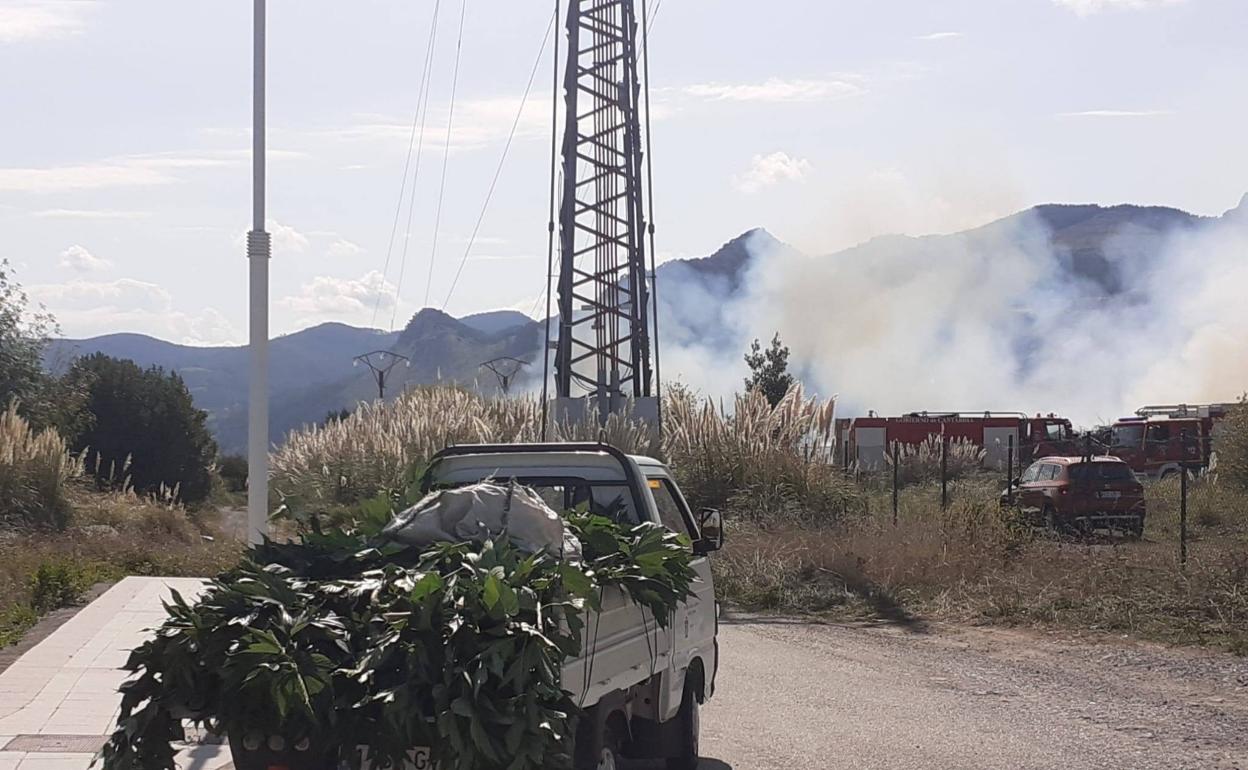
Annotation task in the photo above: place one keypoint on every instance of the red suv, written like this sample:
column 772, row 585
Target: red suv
column 1078, row 494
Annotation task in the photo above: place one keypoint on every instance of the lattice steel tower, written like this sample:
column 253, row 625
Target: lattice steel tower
column 603, row 349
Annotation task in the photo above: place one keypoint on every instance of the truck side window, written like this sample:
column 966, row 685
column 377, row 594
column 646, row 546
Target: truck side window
column 1158, row 434
column 671, row 510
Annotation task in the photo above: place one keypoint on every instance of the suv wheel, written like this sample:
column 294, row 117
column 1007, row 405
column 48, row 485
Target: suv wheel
column 690, row 721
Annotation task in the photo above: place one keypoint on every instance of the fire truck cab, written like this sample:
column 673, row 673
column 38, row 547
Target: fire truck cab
column 1163, row 440
column 866, row 440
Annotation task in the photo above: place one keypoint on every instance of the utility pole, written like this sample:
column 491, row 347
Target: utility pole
column 604, row 342
column 380, row 362
column 259, row 251
column 505, row 369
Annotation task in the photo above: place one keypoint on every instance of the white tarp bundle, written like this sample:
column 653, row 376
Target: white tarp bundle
column 483, row 511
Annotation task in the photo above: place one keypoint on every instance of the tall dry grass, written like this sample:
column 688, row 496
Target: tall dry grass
column 378, row 446
column 35, row 467
column 755, row 459
column 921, row 463
column 757, row 462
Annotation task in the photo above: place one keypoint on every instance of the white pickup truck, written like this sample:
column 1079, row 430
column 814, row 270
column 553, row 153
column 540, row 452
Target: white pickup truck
column 640, row 685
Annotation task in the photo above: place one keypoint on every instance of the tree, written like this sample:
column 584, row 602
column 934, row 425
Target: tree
column 769, row 370
column 233, row 470
column 146, row 427
column 43, row 400
column 24, row 334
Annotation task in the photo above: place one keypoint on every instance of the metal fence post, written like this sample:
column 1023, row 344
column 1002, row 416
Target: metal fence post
column 1009, row 471
column 896, row 461
column 1183, row 507
column 944, row 472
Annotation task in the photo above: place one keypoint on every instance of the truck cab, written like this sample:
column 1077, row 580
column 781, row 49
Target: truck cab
column 1160, row 441
column 641, row 685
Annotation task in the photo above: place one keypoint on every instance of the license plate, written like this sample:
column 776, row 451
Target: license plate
column 417, row 759
column 1109, row 495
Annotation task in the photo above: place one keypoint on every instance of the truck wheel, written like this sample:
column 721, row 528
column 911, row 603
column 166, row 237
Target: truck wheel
column 603, row 754
column 689, row 719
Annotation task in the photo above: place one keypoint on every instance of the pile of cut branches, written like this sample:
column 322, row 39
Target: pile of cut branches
column 342, row 640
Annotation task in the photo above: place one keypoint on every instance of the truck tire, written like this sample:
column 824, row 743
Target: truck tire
column 597, row 751
column 689, row 721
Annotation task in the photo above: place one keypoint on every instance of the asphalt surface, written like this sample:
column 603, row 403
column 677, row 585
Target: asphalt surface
column 794, row 695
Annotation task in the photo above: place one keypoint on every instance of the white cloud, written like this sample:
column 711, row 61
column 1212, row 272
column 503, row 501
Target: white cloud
column 343, row 249
column 778, row 90
column 85, row 177
column 89, row 214
column 28, row 20
column 78, row 259
column 940, row 36
column 342, row 299
column 89, row 308
column 478, row 123
column 127, row 171
column 1089, row 7
column 285, row 238
column 1116, row 114
column 768, row 170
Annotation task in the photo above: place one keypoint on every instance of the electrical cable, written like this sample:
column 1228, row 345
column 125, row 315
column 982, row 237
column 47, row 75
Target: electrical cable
column 654, row 270
column 501, row 162
column 550, row 229
column 411, row 204
column 446, row 151
column 398, row 208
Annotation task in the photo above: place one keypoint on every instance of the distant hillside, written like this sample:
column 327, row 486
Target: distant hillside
column 312, row 370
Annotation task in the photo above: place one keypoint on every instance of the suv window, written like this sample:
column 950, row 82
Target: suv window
column 1050, row 472
column 1101, row 472
column 1031, row 474
column 672, row 510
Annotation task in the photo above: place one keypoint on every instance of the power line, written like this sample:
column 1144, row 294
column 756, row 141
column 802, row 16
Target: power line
column 421, row 96
column 550, row 230
column 411, row 204
column 446, row 151
column 515, row 124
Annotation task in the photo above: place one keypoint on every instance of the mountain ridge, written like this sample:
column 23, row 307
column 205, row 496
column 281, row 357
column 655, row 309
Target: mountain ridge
column 312, row 372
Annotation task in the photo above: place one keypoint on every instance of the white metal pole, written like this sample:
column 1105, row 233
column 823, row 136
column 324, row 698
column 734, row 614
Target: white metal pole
column 259, row 249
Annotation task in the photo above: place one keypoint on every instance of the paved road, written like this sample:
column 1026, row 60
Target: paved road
column 792, row 695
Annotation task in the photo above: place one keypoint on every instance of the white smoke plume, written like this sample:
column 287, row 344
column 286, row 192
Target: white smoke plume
column 992, row 319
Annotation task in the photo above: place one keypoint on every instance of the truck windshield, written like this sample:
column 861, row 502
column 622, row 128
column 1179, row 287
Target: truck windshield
column 1100, row 472
column 1128, row 435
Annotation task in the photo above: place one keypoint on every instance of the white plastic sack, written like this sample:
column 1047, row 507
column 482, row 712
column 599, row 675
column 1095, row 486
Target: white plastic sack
column 483, row 511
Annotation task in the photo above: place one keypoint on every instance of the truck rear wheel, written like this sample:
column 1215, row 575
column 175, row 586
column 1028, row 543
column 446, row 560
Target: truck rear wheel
column 689, row 719
column 598, row 747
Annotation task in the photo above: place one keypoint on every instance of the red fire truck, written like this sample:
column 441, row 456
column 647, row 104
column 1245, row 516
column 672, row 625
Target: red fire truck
column 1164, row 439
column 866, row 440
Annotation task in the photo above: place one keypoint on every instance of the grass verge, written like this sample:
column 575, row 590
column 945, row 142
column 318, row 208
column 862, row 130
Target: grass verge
column 110, row 536
column 973, row 563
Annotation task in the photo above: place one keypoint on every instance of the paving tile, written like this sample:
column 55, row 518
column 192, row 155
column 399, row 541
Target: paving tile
column 56, row 762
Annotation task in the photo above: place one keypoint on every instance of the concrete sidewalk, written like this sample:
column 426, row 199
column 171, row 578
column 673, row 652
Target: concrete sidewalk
column 59, row 701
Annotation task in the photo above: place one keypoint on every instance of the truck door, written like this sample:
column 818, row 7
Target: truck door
column 693, row 628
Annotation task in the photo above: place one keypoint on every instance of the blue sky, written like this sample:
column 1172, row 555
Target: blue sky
column 124, row 165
